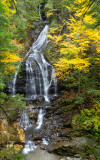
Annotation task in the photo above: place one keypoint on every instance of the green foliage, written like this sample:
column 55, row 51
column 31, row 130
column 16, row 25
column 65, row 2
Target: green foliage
column 2, row 85
column 26, row 13
column 79, row 99
column 12, row 154
column 14, row 102
column 2, row 97
column 93, row 92
column 87, row 120
column 10, row 106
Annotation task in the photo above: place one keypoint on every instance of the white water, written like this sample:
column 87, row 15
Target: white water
column 40, row 119
column 40, row 13
column 29, row 147
column 24, row 120
column 40, row 77
column 45, row 142
column 25, row 124
column 40, row 74
column 39, row 80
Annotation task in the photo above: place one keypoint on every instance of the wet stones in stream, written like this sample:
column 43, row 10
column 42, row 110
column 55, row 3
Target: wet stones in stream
column 61, row 137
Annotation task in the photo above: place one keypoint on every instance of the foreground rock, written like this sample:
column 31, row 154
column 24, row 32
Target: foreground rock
column 72, row 147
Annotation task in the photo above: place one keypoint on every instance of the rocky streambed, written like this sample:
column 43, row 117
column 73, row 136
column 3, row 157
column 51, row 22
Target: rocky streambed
column 60, row 137
column 56, row 139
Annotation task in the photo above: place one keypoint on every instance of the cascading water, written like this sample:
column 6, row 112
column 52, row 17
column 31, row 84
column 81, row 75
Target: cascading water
column 40, row 82
column 40, row 119
column 40, row 13
column 40, row 74
column 25, row 124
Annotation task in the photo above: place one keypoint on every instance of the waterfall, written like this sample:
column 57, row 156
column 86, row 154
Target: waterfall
column 24, row 120
column 14, row 82
column 40, row 13
column 24, row 123
column 40, row 74
column 40, row 119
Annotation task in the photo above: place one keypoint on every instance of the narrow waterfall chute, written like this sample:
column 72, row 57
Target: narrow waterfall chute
column 40, row 13
column 40, row 119
column 24, row 123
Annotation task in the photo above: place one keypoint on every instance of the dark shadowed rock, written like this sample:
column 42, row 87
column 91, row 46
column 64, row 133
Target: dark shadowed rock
column 72, row 147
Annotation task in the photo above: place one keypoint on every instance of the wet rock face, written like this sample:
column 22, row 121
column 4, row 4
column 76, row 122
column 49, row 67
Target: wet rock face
column 21, row 80
column 52, row 127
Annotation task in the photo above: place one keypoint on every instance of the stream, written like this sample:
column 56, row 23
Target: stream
column 39, row 154
column 31, row 149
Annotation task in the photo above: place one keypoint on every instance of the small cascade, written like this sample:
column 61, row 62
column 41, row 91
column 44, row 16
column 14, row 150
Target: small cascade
column 25, row 124
column 29, row 146
column 24, row 120
column 40, row 119
column 40, row 13
column 44, row 142
column 14, row 82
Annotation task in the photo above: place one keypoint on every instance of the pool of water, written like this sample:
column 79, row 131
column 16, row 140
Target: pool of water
column 39, row 154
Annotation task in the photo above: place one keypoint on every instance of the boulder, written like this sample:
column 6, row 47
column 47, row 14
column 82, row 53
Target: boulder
column 70, row 147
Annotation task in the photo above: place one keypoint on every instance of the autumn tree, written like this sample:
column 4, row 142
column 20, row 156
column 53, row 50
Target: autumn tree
column 8, row 57
column 76, row 43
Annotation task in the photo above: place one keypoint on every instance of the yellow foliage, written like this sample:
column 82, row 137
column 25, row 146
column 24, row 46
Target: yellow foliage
column 64, row 66
column 4, row 129
column 73, row 46
column 80, row 1
column 8, row 10
column 56, row 39
column 10, row 58
column 53, row 30
column 49, row 13
column 20, row 131
column 18, row 147
column 9, row 61
column 89, row 19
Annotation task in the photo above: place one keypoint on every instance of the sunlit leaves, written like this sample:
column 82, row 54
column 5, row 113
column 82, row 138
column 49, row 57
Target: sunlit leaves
column 65, row 66
column 73, row 46
column 49, row 13
column 10, row 58
column 56, row 39
column 7, row 9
